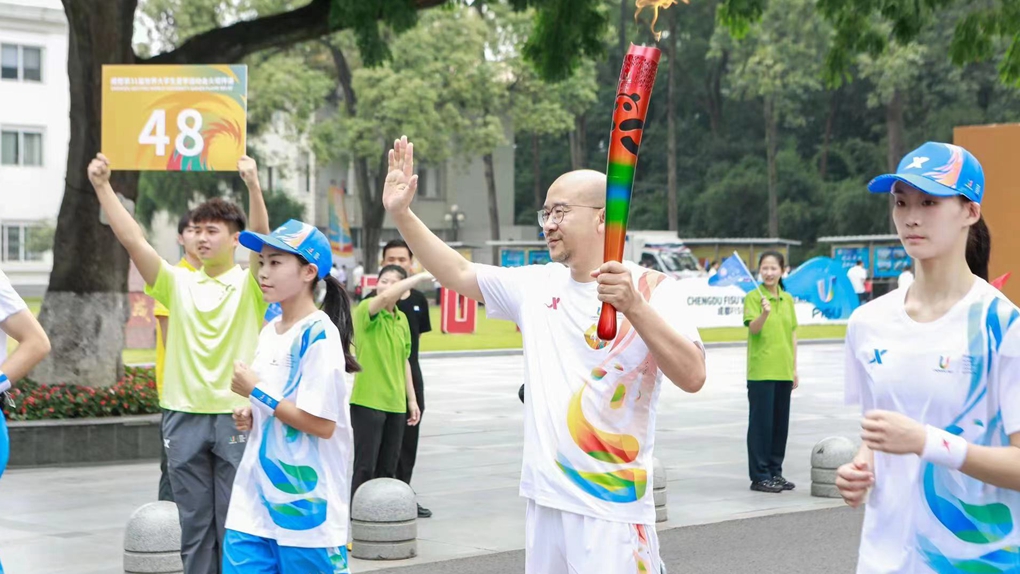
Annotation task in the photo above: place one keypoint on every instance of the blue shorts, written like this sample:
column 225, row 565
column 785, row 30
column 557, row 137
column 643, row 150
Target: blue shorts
column 247, row 554
column 5, row 453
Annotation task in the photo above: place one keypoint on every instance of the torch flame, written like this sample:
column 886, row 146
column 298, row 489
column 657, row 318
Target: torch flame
column 656, row 5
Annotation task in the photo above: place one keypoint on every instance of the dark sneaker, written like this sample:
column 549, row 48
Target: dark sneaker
column 786, row 484
column 766, row 486
column 424, row 512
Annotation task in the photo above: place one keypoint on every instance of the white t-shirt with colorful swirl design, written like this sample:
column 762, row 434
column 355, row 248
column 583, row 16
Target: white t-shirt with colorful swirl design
column 589, row 422
column 960, row 373
column 294, row 487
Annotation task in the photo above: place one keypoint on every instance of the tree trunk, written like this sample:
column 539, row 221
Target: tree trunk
column 671, row 191
column 894, row 133
column 823, row 162
column 373, row 212
column 771, row 145
column 713, row 93
column 623, row 27
column 536, row 172
column 490, row 183
column 581, row 125
column 370, row 216
column 85, row 307
column 894, row 129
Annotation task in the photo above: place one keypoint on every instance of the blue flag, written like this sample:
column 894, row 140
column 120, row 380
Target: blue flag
column 733, row 272
column 822, row 281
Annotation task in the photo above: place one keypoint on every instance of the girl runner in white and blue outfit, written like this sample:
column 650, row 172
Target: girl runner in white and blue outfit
column 289, row 507
column 936, row 368
column 33, row 346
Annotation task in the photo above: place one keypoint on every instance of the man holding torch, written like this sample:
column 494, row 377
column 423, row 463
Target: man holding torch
column 589, row 419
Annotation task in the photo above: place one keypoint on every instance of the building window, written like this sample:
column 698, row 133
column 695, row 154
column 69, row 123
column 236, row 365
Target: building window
column 21, row 147
column 20, row 63
column 25, row 241
column 429, row 182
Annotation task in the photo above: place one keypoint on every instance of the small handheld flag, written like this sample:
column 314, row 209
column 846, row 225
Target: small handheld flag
column 732, row 271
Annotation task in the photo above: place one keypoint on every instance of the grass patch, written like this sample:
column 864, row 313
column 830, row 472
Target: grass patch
column 492, row 334
column 489, row 334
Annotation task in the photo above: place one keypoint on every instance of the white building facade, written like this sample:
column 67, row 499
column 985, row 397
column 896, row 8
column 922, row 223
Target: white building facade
column 34, row 135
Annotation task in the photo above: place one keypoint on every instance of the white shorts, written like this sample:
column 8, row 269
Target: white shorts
column 559, row 542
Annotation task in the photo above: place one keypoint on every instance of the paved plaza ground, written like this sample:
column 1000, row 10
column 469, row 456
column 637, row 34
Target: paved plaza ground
column 70, row 520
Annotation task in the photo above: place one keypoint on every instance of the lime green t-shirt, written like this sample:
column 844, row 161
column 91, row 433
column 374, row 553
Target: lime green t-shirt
column 382, row 345
column 770, row 352
column 159, row 310
column 214, row 321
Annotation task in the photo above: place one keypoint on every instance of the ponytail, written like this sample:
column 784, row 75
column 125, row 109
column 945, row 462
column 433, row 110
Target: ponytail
column 979, row 248
column 337, row 305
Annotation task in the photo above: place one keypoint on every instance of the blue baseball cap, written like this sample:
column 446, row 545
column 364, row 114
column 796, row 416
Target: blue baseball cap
column 939, row 169
column 295, row 237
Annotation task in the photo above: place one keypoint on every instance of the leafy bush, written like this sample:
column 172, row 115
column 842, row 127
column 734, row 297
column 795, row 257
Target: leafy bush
column 135, row 394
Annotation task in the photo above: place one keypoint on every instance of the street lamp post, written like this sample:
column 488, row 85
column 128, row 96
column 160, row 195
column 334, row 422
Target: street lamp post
column 455, row 217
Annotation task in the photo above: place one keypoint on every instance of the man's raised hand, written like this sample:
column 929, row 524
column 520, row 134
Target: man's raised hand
column 248, row 170
column 99, row 171
column 401, row 183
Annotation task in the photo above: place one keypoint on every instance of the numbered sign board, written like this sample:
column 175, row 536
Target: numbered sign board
column 174, row 118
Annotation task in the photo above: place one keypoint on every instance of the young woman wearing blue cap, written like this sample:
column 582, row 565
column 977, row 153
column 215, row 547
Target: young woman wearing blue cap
column 936, row 368
column 289, row 507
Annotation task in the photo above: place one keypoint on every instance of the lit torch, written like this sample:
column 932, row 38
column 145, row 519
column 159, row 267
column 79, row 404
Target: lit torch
column 636, row 81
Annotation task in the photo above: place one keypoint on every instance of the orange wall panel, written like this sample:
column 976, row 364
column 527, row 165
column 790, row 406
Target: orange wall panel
column 997, row 147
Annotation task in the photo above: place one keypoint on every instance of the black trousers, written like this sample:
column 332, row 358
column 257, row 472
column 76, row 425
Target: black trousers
column 768, row 425
column 377, row 439
column 409, row 446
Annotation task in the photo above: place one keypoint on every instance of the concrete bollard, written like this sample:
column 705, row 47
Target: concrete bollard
column 827, row 456
column 659, row 490
column 152, row 540
column 383, row 519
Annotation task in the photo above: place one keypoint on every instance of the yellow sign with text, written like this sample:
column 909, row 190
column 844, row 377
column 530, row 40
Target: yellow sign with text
column 174, row 118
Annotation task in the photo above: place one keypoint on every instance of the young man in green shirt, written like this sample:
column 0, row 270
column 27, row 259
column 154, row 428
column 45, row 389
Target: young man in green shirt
column 215, row 318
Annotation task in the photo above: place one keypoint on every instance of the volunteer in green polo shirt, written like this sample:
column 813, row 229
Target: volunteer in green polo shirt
column 771, row 374
column 383, row 401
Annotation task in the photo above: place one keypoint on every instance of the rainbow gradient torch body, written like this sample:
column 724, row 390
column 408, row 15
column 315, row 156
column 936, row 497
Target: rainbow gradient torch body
column 636, row 80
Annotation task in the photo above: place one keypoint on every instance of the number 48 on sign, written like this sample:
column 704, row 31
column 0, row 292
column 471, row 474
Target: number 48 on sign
column 174, row 118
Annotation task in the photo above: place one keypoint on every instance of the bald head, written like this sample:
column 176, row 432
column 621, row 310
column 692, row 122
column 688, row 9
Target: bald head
column 580, row 187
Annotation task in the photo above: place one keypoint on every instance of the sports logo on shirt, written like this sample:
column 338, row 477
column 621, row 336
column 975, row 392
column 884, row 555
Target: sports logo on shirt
column 879, row 353
column 944, row 362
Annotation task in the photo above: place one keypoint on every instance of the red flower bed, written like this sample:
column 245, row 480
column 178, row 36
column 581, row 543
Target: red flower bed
column 134, row 395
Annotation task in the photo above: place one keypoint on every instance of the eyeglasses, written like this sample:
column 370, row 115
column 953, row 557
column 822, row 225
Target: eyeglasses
column 557, row 213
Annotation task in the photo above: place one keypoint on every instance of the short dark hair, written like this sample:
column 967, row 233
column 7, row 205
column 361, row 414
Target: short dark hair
column 859, row 262
column 393, row 269
column 183, row 223
column 220, row 210
column 396, row 243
